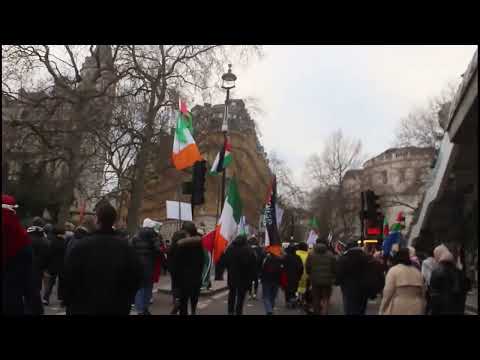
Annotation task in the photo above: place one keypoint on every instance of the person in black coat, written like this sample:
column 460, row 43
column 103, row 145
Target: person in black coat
column 186, row 266
column 240, row 262
column 294, row 270
column 102, row 272
column 56, row 240
column 148, row 246
column 448, row 285
column 352, row 272
column 272, row 268
column 33, row 299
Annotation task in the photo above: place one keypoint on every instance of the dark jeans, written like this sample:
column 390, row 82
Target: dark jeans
column 354, row 303
column 269, row 291
column 236, row 297
column 51, row 284
column 254, row 288
column 290, row 294
column 185, row 296
column 33, row 298
column 321, row 298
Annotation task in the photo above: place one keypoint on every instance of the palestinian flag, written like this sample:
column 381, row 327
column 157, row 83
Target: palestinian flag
column 272, row 237
column 385, row 226
column 223, row 159
column 185, row 151
column 229, row 220
column 186, row 115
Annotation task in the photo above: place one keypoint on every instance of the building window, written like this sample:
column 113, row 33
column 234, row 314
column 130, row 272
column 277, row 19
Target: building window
column 384, row 176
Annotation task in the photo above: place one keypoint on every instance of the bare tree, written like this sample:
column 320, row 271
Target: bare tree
column 328, row 171
column 65, row 102
column 422, row 126
column 161, row 72
column 290, row 193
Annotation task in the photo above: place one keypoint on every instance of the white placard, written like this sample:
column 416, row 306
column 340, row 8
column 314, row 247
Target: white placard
column 173, row 211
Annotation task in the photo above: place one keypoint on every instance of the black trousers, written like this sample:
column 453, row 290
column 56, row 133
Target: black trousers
column 51, row 284
column 236, row 297
column 254, row 288
column 354, row 303
column 187, row 295
column 33, row 298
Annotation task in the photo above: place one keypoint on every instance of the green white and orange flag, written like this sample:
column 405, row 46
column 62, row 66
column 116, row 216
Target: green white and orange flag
column 227, row 226
column 185, row 150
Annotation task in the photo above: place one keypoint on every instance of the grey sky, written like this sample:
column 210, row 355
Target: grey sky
column 307, row 92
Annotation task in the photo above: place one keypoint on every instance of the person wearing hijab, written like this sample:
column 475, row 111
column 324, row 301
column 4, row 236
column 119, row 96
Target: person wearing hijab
column 17, row 258
column 448, row 284
column 404, row 292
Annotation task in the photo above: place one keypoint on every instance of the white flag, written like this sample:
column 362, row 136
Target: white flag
column 312, row 238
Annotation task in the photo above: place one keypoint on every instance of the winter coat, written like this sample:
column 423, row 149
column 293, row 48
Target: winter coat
column 294, row 270
column 186, row 262
column 72, row 241
column 240, row 262
column 321, row 266
column 302, row 285
column 40, row 249
column 148, row 247
column 448, row 289
column 404, row 292
column 272, row 268
column 259, row 256
column 102, row 275
column 57, row 253
column 16, row 260
column 353, row 272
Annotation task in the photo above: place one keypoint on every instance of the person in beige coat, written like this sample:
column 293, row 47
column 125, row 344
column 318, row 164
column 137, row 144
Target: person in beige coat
column 404, row 291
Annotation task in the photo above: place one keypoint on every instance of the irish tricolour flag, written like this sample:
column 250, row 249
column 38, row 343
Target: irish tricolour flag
column 185, row 151
column 223, row 159
column 227, row 226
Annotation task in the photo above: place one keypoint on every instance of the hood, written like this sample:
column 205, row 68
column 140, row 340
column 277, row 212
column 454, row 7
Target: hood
column 32, row 229
column 190, row 240
column 441, row 253
column 320, row 248
column 14, row 235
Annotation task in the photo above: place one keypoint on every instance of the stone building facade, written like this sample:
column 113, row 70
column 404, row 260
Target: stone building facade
column 398, row 175
column 21, row 146
column 250, row 168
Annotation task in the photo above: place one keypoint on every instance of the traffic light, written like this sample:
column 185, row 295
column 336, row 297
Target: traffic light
column 198, row 182
column 373, row 215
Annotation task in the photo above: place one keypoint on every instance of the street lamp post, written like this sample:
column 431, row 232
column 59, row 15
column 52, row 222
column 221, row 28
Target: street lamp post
column 228, row 82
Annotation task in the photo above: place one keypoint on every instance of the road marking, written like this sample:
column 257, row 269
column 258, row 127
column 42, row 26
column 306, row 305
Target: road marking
column 203, row 305
column 220, row 295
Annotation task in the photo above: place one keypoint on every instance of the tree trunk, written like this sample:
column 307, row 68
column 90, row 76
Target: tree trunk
column 74, row 166
column 138, row 185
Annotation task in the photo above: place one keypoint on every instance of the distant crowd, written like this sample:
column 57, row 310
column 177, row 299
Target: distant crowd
column 102, row 271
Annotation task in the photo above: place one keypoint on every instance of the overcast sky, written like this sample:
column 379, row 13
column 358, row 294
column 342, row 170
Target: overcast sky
column 307, row 92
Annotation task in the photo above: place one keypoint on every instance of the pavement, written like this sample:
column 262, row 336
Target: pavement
column 214, row 302
column 164, row 286
column 471, row 306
